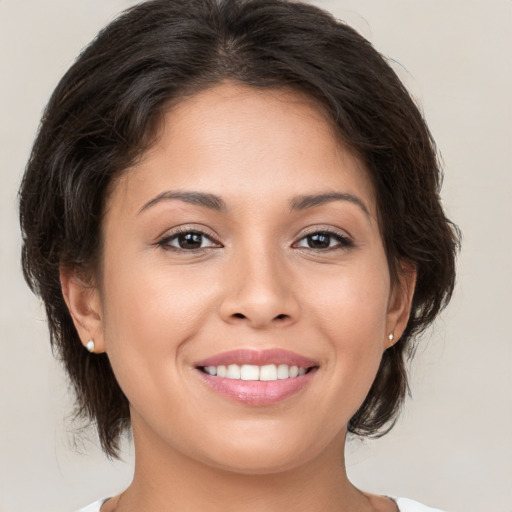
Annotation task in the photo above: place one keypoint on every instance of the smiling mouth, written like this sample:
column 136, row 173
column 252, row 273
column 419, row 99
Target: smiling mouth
column 251, row 372
column 257, row 377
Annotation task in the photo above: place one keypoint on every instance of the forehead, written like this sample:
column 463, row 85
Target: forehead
column 246, row 143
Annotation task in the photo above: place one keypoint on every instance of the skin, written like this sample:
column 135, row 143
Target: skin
column 255, row 283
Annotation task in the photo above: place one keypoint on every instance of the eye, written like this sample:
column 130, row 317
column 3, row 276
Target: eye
column 324, row 240
column 188, row 241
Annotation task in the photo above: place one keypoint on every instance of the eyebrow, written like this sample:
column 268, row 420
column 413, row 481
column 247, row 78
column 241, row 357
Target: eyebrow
column 209, row 201
column 311, row 201
column 213, row 202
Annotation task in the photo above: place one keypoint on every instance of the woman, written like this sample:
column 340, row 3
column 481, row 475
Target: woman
column 231, row 213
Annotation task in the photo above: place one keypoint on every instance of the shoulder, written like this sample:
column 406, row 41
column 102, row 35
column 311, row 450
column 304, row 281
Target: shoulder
column 406, row 505
column 93, row 507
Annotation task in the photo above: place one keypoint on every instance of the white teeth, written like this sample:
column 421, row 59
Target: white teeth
column 294, row 371
column 267, row 372
column 250, row 372
column 233, row 371
column 283, row 372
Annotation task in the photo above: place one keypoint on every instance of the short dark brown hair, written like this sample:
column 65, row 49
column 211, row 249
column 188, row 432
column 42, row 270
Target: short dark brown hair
column 102, row 115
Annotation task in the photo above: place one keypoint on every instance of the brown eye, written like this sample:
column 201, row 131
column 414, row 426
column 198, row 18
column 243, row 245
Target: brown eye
column 324, row 240
column 319, row 241
column 188, row 241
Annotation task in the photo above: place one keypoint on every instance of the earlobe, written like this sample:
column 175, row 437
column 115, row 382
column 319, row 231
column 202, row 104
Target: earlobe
column 84, row 305
column 400, row 304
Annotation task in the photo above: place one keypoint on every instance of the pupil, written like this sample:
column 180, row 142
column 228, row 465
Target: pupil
column 319, row 241
column 190, row 241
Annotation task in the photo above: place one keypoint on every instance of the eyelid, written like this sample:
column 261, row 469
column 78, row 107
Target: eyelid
column 346, row 240
column 171, row 234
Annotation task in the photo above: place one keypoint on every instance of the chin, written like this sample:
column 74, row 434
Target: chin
column 266, row 462
column 277, row 451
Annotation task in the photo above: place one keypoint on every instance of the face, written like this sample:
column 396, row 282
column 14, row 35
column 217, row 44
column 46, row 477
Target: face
column 245, row 300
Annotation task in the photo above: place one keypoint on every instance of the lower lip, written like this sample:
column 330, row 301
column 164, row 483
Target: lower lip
column 257, row 392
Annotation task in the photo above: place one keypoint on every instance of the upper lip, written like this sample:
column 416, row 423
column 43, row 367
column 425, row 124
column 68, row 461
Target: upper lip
column 258, row 358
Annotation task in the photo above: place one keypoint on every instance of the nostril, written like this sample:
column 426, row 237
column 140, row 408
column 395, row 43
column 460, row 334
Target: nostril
column 282, row 316
column 239, row 315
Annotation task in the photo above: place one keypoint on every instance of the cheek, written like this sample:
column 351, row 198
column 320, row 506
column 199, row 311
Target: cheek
column 149, row 315
column 351, row 305
column 350, row 312
column 142, row 296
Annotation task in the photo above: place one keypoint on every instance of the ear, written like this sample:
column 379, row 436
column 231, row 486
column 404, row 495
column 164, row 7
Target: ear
column 400, row 302
column 83, row 301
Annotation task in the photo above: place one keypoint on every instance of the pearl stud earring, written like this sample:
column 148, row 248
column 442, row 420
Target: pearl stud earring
column 90, row 345
column 391, row 337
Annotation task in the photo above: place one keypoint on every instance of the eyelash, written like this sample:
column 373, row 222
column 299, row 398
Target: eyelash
column 165, row 242
column 342, row 241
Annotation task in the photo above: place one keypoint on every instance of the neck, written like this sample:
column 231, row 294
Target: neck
column 168, row 481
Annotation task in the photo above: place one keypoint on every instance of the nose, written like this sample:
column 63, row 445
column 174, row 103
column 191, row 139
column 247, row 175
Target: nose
column 259, row 292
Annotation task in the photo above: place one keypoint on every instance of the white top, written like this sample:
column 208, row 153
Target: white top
column 404, row 505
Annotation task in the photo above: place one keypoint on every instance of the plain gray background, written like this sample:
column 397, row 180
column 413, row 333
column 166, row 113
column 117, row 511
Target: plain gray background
column 453, row 446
